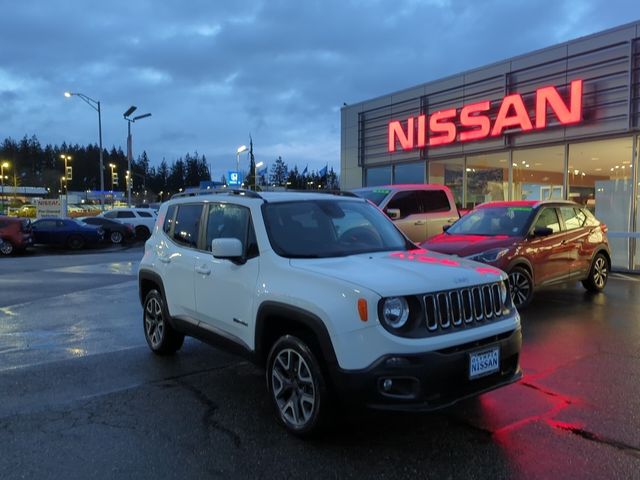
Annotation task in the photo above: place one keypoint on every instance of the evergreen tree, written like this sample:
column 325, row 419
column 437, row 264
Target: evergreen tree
column 279, row 173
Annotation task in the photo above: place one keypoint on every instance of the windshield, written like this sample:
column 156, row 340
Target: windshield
column 376, row 195
column 330, row 228
column 503, row 220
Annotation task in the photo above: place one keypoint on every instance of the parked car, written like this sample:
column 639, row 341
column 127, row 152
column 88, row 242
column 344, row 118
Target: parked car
column 65, row 232
column 142, row 219
column 331, row 298
column 115, row 231
column 536, row 243
column 419, row 210
column 15, row 233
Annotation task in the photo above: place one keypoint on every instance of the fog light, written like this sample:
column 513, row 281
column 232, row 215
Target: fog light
column 387, row 385
column 397, row 362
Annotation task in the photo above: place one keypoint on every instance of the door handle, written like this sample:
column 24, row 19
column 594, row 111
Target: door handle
column 164, row 259
column 203, row 270
column 420, row 222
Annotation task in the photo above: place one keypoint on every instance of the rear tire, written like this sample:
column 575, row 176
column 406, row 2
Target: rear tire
column 75, row 242
column 6, row 248
column 142, row 233
column 297, row 387
column 521, row 285
column 158, row 332
column 598, row 274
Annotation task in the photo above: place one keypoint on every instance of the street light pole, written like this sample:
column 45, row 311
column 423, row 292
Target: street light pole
column 2, row 167
column 126, row 115
column 255, row 175
column 66, row 180
column 95, row 104
column 241, row 148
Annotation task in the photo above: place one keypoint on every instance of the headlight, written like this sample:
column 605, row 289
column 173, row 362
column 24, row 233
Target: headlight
column 395, row 312
column 489, row 256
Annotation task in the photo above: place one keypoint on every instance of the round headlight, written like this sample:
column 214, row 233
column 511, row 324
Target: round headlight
column 395, row 312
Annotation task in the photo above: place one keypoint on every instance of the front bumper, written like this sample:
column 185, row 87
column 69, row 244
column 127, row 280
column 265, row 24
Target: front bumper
column 429, row 381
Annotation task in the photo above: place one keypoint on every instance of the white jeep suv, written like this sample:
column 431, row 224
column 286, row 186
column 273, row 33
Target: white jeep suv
column 331, row 298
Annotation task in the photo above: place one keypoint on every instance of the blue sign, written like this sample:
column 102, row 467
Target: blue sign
column 234, row 179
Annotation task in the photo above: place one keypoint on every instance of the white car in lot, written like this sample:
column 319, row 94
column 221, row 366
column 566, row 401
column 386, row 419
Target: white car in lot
column 142, row 219
column 331, row 298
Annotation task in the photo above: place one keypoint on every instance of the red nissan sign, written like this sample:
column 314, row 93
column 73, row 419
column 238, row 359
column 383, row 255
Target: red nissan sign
column 472, row 122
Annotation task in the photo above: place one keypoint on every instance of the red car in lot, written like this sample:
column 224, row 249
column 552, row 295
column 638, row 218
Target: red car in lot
column 15, row 234
column 538, row 243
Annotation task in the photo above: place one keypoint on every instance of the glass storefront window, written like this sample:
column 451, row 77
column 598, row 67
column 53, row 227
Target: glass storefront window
column 538, row 173
column 449, row 173
column 409, row 173
column 378, row 176
column 601, row 178
column 487, row 178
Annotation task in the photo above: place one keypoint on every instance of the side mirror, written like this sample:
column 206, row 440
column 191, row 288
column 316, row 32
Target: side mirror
column 393, row 213
column 542, row 232
column 446, row 227
column 227, row 248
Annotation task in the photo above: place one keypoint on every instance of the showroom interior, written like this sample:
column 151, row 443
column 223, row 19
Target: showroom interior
column 592, row 160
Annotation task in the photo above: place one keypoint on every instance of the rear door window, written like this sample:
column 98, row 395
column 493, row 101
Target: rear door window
column 573, row 217
column 125, row 214
column 435, row 201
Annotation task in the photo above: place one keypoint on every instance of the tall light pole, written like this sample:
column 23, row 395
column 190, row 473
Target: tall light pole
column 95, row 104
column 2, row 167
column 241, row 148
column 66, row 177
column 255, row 175
column 126, row 115
column 113, row 178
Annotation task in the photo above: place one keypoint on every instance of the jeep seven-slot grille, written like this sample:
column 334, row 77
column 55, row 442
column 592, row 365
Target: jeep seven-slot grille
column 465, row 306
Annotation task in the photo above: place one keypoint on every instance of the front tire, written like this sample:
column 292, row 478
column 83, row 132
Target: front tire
column 116, row 237
column 159, row 334
column 521, row 285
column 297, row 386
column 598, row 274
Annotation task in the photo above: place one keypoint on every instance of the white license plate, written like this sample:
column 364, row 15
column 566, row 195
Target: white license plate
column 484, row 362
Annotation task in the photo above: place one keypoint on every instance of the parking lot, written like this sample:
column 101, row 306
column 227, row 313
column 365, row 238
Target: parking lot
column 81, row 396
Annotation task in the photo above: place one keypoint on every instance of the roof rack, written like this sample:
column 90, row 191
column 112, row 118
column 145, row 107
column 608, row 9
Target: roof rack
column 341, row 193
column 217, row 191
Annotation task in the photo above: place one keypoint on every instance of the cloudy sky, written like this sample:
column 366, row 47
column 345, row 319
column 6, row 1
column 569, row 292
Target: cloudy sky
column 213, row 72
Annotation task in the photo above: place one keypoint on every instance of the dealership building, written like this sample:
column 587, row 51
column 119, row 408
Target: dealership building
column 562, row 122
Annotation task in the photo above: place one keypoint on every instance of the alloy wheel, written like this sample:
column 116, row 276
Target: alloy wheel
column 293, row 387
column 116, row 237
column 520, row 287
column 154, row 322
column 600, row 272
column 6, row 248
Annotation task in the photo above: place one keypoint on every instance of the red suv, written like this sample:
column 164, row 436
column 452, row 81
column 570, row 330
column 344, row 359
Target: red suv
column 536, row 243
column 15, row 234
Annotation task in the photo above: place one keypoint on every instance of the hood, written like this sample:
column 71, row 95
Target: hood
column 404, row 272
column 465, row 245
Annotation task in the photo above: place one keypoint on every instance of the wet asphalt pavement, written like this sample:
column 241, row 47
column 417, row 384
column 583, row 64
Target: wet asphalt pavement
column 82, row 397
